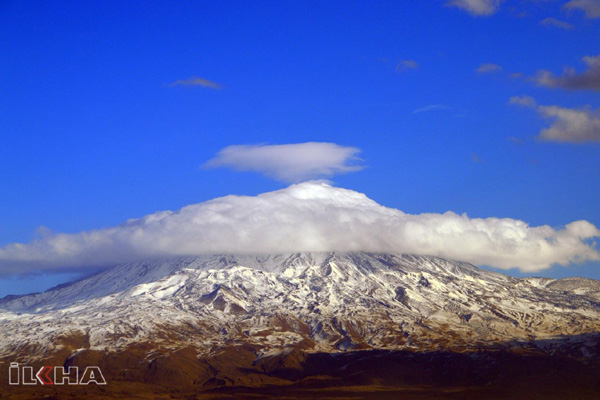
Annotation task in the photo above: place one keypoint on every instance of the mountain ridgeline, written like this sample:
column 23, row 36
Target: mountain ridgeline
column 274, row 316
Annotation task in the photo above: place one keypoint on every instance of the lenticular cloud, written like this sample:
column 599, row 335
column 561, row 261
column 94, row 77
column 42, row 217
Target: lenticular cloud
column 311, row 216
column 290, row 163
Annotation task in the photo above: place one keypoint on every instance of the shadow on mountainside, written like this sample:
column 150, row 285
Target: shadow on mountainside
column 561, row 368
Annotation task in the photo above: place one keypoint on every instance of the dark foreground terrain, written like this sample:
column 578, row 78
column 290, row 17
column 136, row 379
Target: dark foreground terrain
column 235, row 373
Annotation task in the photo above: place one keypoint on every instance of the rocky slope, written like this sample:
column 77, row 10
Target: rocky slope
column 312, row 302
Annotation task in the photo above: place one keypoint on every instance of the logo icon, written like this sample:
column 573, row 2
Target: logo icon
column 54, row 375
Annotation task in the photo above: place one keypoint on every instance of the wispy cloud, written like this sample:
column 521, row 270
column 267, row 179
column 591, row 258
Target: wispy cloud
column 591, row 8
column 406, row 65
column 477, row 7
column 433, row 107
column 308, row 217
column 488, row 68
column 515, row 140
column 568, row 125
column 589, row 79
column 525, row 101
column 196, row 82
column 476, row 158
column 290, row 162
column 556, row 23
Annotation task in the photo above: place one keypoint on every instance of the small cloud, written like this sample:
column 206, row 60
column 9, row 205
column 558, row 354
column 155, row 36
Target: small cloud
column 521, row 14
column 406, row 65
column 196, row 82
column 591, row 8
column 515, row 140
column 589, row 79
column 477, row 7
column 571, row 125
column 488, row 68
column 289, row 162
column 525, row 101
column 476, row 159
column 568, row 125
column 516, row 75
column 556, row 23
column 433, row 107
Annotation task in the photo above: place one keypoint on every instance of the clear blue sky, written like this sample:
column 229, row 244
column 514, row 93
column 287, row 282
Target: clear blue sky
column 92, row 131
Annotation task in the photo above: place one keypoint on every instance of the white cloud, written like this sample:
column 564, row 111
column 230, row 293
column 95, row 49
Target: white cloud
column 571, row 125
column 525, row 101
column 556, row 23
column 591, row 8
column 568, row 124
column 589, row 79
column 433, row 107
column 289, row 162
column 477, row 7
column 515, row 140
column 193, row 81
column 476, row 158
column 488, row 68
column 312, row 216
column 406, row 65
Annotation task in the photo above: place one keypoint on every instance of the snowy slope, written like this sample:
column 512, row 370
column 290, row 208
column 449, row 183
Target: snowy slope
column 317, row 301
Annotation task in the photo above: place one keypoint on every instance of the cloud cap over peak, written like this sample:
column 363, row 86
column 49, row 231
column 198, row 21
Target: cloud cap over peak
column 311, row 216
column 289, row 162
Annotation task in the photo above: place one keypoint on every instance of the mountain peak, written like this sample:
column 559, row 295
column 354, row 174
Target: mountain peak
column 322, row 190
column 325, row 298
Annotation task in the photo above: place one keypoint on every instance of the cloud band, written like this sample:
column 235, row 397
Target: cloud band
column 311, row 216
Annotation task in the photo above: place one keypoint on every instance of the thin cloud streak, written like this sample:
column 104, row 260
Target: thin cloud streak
column 525, row 101
column 311, row 216
column 476, row 158
column 433, row 107
column 488, row 68
column 515, row 140
column 477, row 7
column 406, row 65
column 196, row 82
column 553, row 22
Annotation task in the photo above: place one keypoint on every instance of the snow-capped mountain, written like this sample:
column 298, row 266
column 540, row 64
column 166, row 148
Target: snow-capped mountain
column 317, row 302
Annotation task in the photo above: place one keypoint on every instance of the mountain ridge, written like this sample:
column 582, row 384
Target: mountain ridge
column 339, row 325
column 327, row 302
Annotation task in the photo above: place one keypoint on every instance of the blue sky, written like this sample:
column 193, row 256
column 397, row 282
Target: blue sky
column 94, row 131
